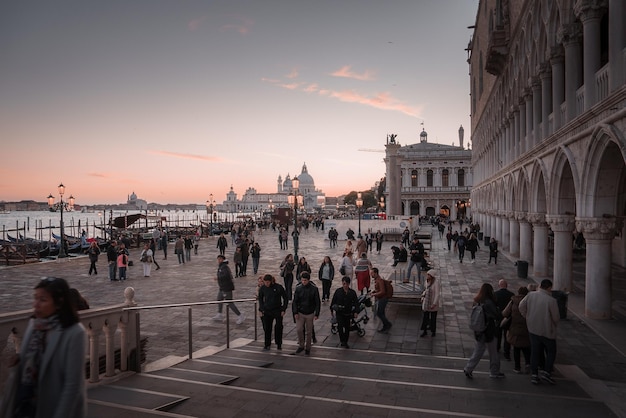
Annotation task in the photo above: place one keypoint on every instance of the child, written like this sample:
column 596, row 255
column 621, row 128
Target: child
column 122, row 264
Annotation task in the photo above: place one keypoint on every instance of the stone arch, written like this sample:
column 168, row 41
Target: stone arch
column 538, row 188
column 414, row 208
column 604, row 174
column 509, row 194
column 521, row 198
column 565, row 184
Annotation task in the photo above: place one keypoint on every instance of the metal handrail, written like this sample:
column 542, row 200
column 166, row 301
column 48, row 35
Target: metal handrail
column 189, row 306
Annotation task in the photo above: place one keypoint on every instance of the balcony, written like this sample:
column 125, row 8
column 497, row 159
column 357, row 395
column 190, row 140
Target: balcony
column 497, row 52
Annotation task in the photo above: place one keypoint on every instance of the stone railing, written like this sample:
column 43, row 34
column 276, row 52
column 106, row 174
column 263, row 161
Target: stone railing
column 602, row 83
column 108, row 321
column 97, row 322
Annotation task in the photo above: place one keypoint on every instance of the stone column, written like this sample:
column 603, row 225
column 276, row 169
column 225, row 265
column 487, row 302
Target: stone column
column 570, row 36
column 590, row 13
column 516, row 133
column 545, row 74
column 617, row 42
column 513, row 234
column 599, row 233
column 558, row 87
column 493, row 223
column 562, row 226
column 522, row 126
column 525, row 238
column 536, row 87
column 498, row 228
column 540, row 244
column 527, row 142
column 506, row 237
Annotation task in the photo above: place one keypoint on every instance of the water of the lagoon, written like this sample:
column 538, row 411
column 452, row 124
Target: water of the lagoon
column 41, row 224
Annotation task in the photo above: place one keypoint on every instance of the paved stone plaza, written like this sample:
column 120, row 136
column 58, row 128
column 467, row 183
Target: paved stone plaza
column 596, row 347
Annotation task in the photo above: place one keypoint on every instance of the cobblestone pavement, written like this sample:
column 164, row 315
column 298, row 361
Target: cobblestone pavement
column 596, row 347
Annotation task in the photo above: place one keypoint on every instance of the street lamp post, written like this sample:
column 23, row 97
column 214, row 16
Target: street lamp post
column 382, row 204
column 294, row 199
column 359, row 204
column 209, row 208
column 61, row 206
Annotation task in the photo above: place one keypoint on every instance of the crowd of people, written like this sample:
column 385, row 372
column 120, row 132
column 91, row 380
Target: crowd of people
column 523, row 323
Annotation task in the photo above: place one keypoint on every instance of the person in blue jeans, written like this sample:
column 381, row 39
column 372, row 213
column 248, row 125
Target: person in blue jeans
column 416, row 252
column 382, row 298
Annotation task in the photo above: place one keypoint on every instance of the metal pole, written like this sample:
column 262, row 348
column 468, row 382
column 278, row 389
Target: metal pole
column 190, row 341
column 62, row 249
column 227, row 327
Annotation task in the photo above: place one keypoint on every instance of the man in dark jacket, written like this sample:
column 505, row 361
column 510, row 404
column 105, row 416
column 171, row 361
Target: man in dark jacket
column 306, row 309
column 272, row 305
column 503, row 297
column 226, row 286
column 344, row 305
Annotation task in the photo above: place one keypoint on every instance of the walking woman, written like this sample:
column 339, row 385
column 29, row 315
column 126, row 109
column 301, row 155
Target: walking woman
column 303, row 266
column 517, row 335
column 430, row 304
column 93, row 252
column 146, row 258
column 472, row 246
column 326, row 275
column 286, row 271
column 486, row 339
column 49, row 378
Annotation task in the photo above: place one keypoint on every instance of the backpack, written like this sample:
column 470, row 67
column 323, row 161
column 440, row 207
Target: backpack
column 478, row 322
column 388, row 288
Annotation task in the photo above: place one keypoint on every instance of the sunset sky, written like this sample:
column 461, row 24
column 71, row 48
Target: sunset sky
column 178, row 99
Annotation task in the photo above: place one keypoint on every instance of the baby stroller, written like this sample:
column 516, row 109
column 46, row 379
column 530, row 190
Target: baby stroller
column 356, row 324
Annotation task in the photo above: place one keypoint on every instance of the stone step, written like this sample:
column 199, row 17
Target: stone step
column 339, row 382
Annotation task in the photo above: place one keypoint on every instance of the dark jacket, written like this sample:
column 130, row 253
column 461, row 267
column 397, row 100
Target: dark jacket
column 306, row 300
column 112, row 253
column 302, row 268
column 255, row 251
column 93, row 252
column 273, row 298
column 331, row 271
column 344, row 303
column 517, row 335
column 222, row 243
column 225, row 277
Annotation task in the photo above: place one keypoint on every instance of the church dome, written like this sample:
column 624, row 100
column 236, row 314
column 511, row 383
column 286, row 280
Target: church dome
column 306, row 181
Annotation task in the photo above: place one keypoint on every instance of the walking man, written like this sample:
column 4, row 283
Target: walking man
column 542, row 316
column 343, row 306
column 306, row 309
column 112, row 260
column 272, row 306
column 226, row 286
column 416, row 251
column 503, row 297
column 382, row 298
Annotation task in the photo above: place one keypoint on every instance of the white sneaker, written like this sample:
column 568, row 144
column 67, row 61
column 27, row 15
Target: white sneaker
column 218, row 317
column 240, row 319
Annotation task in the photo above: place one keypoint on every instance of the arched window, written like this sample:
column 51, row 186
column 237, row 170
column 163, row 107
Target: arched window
column 414, row 178
column 429, row 178
column 461, row 177
column 444, row 178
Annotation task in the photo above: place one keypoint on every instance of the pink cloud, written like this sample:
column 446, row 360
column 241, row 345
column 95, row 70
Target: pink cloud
column 384, row 100
column 346, row 71
column 100, row 175
column 185, row 156
column 196, row 23
column 292, row 74
column 242, row 25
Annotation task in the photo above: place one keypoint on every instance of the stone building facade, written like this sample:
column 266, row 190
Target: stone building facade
column 548, row 110
column 427, row 179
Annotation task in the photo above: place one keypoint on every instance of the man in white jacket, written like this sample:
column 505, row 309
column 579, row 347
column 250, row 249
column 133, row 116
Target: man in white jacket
column 542, row 316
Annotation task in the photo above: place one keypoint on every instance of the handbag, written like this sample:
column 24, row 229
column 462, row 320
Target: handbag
column 505, row 323
column 342, row 270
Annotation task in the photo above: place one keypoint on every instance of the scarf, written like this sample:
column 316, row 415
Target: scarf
column 31, row 359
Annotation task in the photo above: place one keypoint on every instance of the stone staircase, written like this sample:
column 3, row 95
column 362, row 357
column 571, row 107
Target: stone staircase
column 333, row 382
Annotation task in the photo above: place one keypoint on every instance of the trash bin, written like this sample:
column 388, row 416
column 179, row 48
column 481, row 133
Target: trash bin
column 487, row 240
column 561, row 300
column 480, row 236
column 522, row 269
